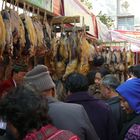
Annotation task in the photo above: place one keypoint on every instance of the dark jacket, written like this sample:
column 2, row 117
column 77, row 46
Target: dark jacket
column 131, row 120
column 117, row 112
column 71, row 117
column 4, row 138
column 99, row 114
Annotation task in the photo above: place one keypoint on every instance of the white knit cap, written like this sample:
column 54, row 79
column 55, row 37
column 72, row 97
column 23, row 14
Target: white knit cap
column 40, row 77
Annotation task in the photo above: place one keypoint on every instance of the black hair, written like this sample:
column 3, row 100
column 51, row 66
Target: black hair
column 76, row 82
column 25, row 109
column 16, row 68
column 98, row 60
column 91, row 77
column 136, row 71
column 130, row 69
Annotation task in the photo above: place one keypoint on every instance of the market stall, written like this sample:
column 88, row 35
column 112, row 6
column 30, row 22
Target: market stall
column 36, row 36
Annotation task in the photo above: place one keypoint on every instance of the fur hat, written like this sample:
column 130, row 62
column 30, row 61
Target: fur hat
column 40, row 77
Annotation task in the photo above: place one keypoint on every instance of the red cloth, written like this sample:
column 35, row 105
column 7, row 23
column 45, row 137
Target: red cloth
column 52, row 133
column 6, row 85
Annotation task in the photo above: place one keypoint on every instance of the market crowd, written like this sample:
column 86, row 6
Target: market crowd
column 96, row 106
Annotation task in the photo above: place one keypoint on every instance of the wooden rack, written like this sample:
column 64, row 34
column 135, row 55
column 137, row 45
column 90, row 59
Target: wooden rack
column 57, row 22
column 65, row 20
column 31, row 7
column 69, row 29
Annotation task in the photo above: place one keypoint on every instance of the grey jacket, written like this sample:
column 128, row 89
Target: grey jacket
column 71, row 117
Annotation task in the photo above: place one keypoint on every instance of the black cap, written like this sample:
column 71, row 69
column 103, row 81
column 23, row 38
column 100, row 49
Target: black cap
column 20, row 67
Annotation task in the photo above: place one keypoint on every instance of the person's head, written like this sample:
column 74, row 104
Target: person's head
column 130, row 72
column 76, row 82
column 24, row 110
column 108, row 85
column 129, row 92
column 98, row 60
column 40, row 77
column 136, row 71
column 98, row 78
column 94, row 77
column 18, row 72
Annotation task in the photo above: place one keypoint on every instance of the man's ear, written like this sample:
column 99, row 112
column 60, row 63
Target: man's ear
column 53, row 92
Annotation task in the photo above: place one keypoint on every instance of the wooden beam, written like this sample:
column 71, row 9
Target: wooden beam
column 69, row 29
column 65, row 19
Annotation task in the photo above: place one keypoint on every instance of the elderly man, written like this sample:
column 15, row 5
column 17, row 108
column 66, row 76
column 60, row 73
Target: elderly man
column 66, row 116
column 99, row 113
column 108, row 85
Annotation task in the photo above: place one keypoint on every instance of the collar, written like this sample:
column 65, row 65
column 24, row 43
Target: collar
column 80, row 96
column 14, row 82
column 52, row 100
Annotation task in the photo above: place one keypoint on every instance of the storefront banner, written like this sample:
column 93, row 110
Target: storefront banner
column 44, row 4
column 74, row 8
column 103, row 32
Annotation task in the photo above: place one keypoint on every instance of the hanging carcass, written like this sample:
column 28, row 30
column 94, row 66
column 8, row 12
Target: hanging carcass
column 41, row 46
column 85, row 55
column 74, row 52
column 18, row 34
column 47, row 33
column 2, row 37
column 30, row 35
column 8, row 27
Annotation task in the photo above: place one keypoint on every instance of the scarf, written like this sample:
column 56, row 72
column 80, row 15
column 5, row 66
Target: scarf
column 50, row 132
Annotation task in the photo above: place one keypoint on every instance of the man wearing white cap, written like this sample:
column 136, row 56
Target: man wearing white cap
column 67, row 116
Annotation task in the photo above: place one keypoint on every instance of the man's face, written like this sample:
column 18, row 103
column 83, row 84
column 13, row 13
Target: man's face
column 19, row 76
column 97, row 79
column 125, row 106
column 105, row 91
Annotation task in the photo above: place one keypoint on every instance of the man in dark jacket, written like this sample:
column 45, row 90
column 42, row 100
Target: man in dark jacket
column 109, row 84
column 99, row 113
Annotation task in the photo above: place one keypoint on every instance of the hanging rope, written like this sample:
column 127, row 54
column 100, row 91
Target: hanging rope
column 45, row 14
column 2, row 5
column 24, row 8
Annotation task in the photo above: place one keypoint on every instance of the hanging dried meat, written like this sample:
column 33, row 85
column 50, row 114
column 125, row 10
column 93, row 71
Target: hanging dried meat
column 129, row 57
column 47, row 35
column 64, row 44
column 71, row 67
column 74, row 45
column 85, row 55
column 2, row 36
column 18, row 33
column 74, row 53
column 30, row 35
column 21, row 34
column 39, row 33
column 92, row 52
column 8, row 27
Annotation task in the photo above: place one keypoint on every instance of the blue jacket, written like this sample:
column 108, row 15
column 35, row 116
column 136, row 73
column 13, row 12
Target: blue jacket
column 99, row 114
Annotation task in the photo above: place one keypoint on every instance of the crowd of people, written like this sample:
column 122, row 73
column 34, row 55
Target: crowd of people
column 96, row 106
